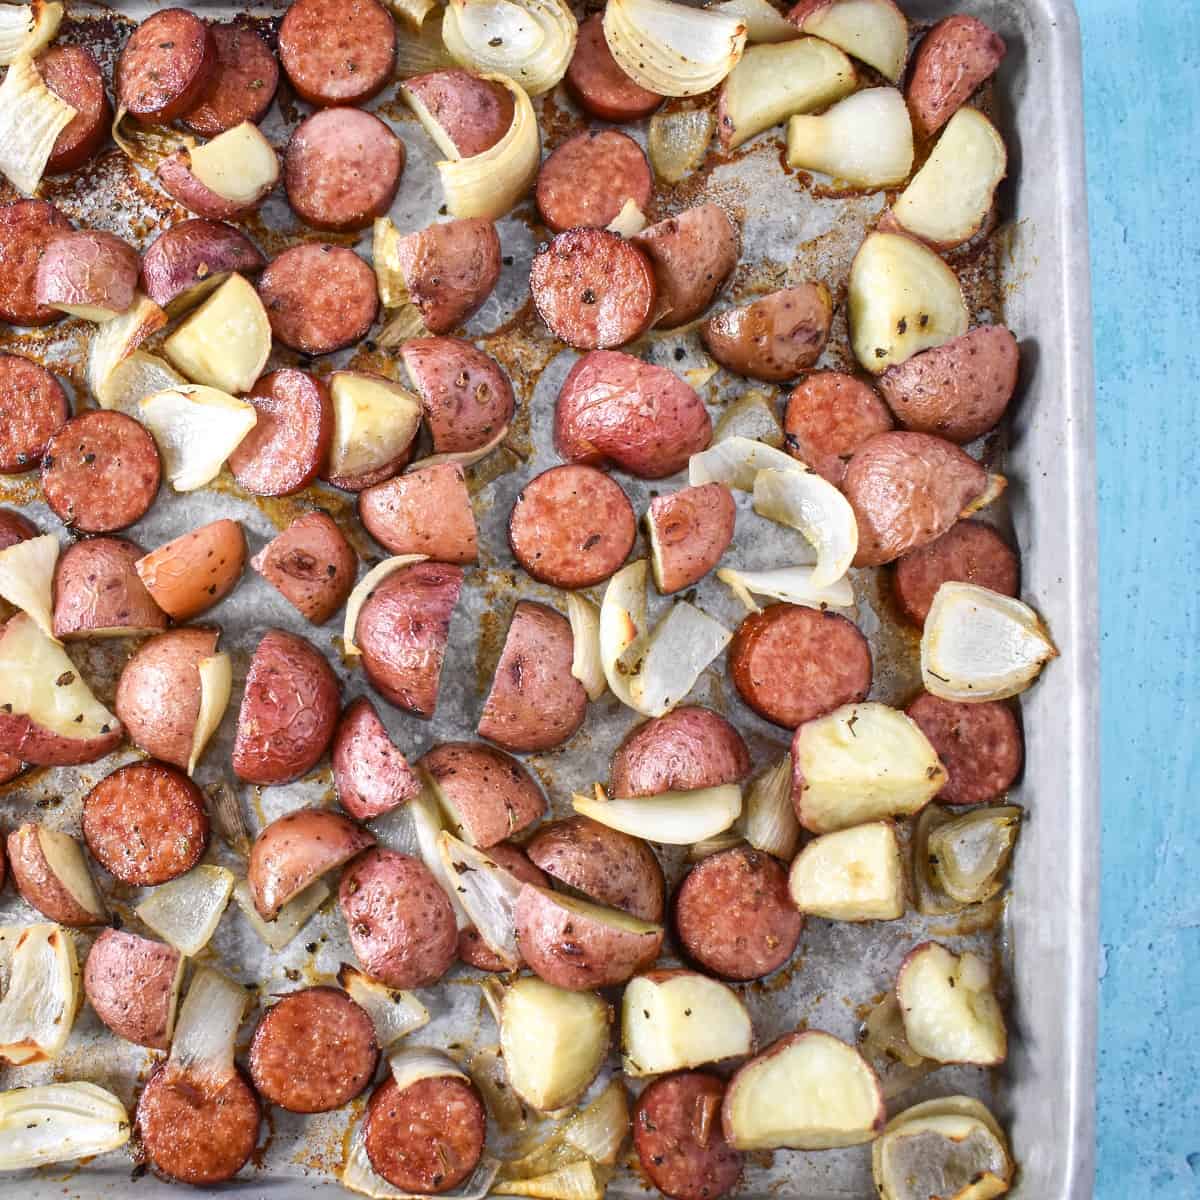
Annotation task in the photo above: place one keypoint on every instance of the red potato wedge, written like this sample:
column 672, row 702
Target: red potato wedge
column 603, row 864
column 689, row 748
column 88, row 273
column 472, row 949
column 132, row 984
column 953, row 59
column 296, row 849
column 225, row 178
column 370, row 772
column 449, row 269
column 188, row 260
column 775, row 338
column 465, row 115
column 874, row 31
column 689, row 531
column 426, row 511
column 189, row 575
column 807, row 1091
column 375, row 422
column 488, row 795
column 51, row 872
column 580, row 946
column 692, row 254
column 311, row 565
column 535, row 701
column 98, row 592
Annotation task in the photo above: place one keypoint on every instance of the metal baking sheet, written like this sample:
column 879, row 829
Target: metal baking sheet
column 1032, row 273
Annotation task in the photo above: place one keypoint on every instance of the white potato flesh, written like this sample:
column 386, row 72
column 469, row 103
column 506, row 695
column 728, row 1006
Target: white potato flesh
column 810, row 1091
column 57, row 1123
column 671, row 818
column 865, row 140
column 225, row 343
column 950, row 1012
column 216, row 683
column 850, row 875
column 239, row 165
column 65, row 860
column 374, row 422
column 553, row 1041
column 862, row 762
column 903, row 299
column 874, row 31
column 197, row 428
column 683, row 1020
column 27, row 578
column 948, row 199
column 806, row 502
column 41, row 994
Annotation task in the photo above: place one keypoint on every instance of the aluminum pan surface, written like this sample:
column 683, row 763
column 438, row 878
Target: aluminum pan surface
column 791, row 233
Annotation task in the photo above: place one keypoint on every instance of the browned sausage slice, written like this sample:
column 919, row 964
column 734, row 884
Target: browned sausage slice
column 311, row 565
column 589, row 179
column 678, row 1138
column 403, row 629
column 689, row 748
column 243, row 83
column 288, row 445
column 427, row 1137
column 71, row 73
column 791, row 664
column 693, row 254
column 26, row 229
column 370, row 773
column 313, row 1051
column 337, row 51
column 165, row 66
column 953, row 59
column 465, row 394
column 33, row 408
column 145, row 823
column 734, row 916
column 535, row 702
column 689, row 531
column 401, row 924
column 342, row 169
column 906, row 490
column 980, row 746
column 100, row 472
column 473, row 113
column 828, row 416
column 968, row 552
column 196, row 1130
column 599, row 85
column 774, row 338
column 319, row 298
column 472, row 949
column 571, row 527
column 288, row 713
column 593, row 289
column 424, row 512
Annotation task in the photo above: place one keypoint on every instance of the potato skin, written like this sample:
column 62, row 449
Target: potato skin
column 158, row 694
column 21, row 738
column 423, row 512
column 691, row 747
column 297, row 848
column 38, row 885
column 196, row 570
column 88, row 267
column 190, row 259
column 130, row 983
column 692, row 254
column 311, row 565
column 15, row 527
column 604, row 864
column 953, row 59
column 577, row 951
column 97, row 592
column 175, row 175
column 692, row 528
column 492, row 793
column 370, row 774
column 451, row 269
column 775, row 338
column 474, row 113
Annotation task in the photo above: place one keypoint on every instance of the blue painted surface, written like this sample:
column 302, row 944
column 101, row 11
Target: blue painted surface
column 1142, row 96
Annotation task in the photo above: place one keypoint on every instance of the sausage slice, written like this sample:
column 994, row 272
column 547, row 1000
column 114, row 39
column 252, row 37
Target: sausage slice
column 599, row 85
column 980, row 746
column 828, row 416
column 33, row 408
column 589, row 179
column 71, row 73
column 26, row 229
column 166, row 65
column 243, row 83
column 337, row 51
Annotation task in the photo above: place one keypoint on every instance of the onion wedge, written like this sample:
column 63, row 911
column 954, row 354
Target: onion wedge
column 186, row 911
column 27, row 578
column 622, row 626
column 678, row 141
column 670, row 48
column 752, row 416
column 804, row 501
column 414, row 1063
column 487, row 892
column 595, row 1133
column 27, row 29
column 763, row 21
column 41, row 997
column 671, row 818
column 207, row 1026
column 735, row 461
column 676, row 654
column 580, row 1180
column 133, row 379
column 464, row 458
column 362, row 591
column 115, row 341
column 865, row 140
column 791, row 584
column 531, row 41
column 394, row 1013
column 197, row 428
column 292, row 917
column 31, row 118
column 429, row 823
column 770, row 820
column 59, row 1122
column 216, row 683
column 980, row 645
column 585, row 631
column 629, row 221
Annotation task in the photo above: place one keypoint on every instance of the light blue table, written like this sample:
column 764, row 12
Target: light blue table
column 1142, row 81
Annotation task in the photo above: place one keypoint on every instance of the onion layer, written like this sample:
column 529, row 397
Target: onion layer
column 735, row 461
column 671, row 818
column 393, row 1013
column 197, row 428
column 114, row 342
column 791, row 584
column 186, row 911
column 27, row 578
column 488, row 893
column 41, row 974
column 59, row 1122
column 31, row 118
column 806, row 502
column 27, row 29
column 292, row 917
column 207, row 1027
column 678, row 141
column 585, row 631
column 770, row 820
column 531, row 41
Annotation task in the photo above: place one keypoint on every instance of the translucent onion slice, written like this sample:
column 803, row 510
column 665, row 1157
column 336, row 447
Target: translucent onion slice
column 806, row 502
column 415, row 1063
column 670, row 48
column 676, row 654
column 487, row 892
column 359, row 1176
column 531, row 41
column 623, row 626
column 31, row 118
column 27, row 578
column 429, row 823
column 735, row 461
column 363, row 589
column 629, row 220
column 186, row 911
column 113, row 343
column 714, row 845
column 59, row 1122
column 206, row 1030
column 389, row 278
column 27, row 29
column 418, row 52
column 413, row 12
column 581, row 1180
column 464, row 458
column 491, row 1078
column 791, row 584
column 763, row 21
column 197, row 428
column 968, row 855
column 216, row 683
column 671, row 818
column 585, row 630
column 678, row 141
column 770, row 821
column 292, row 918
column 394, row 1013
column 41, row 997
column 980, row 645
column 751, row 416
column 596, row 1133
column 133, row 379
